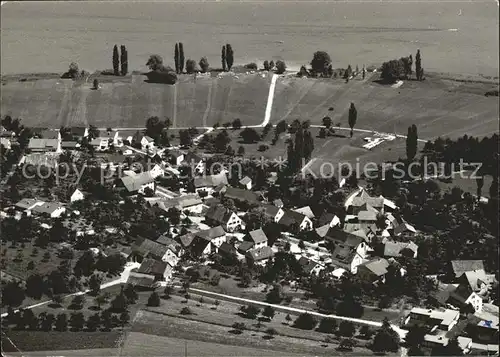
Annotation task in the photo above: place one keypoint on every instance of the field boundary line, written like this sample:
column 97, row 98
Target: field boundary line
column 270, row 99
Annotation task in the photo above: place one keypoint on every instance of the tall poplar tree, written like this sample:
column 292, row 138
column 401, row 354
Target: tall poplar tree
column 223, row 58
column 353, row 116
column 181, row 57
column 411, row 142
column 229, row 56
column 418, row 66
column 123, row 60
column 176, row 58
column 116, row 61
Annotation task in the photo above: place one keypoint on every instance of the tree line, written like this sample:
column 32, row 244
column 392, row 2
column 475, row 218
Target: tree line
column 402, row 68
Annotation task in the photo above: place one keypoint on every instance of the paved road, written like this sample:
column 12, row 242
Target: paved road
column 121, row 280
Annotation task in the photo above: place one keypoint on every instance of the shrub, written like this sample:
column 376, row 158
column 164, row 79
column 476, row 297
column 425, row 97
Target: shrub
column 305, row 321
column 263, row 147
column 267, row 67
column 190, row 66
column 238, row 327
column 154, row 299
column 251, row 66
column 203, row 64
column 186, row 311
column 327, row 325
column 280, row 67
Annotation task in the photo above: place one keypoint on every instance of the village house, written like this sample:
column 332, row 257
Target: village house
column 70, row 145
column 204, row 242
column 157, row 171
column 26, row 205
column 194, row 161
column 138, row 183
column 175, row 157
column 329, row 219
column 44, row 145
column 246, row 183
column 147, row 248
column 292, row 220
column 241, row 196
column 432, row 319
column 306, row 211
column 309, row 267
column 458, row 297
column 142, row 281
column 432, row 341
column 272, row 212
column 243, row 247
column 259, row 256
column 147, row 143
column 373, row 270
column 162, row 271
column 77, row 195
column 219, row 215
column 79, row 132
column 257, row 237
column 482, row 327
column 350, row 250
column 227, row 250
column 398, row 249
column 190, row 203
column 208, row 183
column 49, row 209
column 100, row 144
column 112, row 136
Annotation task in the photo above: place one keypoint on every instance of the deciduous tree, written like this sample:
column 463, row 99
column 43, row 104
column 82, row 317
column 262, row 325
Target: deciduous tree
column 353, row 116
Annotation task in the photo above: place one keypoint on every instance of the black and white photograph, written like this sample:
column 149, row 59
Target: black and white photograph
column 275, row 178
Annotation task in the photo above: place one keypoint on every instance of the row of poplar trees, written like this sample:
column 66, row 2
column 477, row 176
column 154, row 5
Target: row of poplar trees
column 227, row 57
column 120, row 59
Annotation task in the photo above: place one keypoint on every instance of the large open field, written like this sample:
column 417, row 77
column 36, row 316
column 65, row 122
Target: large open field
column 201, row 102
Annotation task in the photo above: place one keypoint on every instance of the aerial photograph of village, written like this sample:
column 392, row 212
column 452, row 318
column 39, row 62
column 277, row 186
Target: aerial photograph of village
column 249, row 178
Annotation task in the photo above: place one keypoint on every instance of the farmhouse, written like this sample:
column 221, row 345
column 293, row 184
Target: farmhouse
column 242, row 196
column 246, row 183
column 259, row 256
column 44, row 145
column 147, row 143
column 219, row 215
column 138, row 183
column 257, row 237
column 144, row 247
column 144, row 281
column 175, row 157
column 162, row 271
column 208, row 183
column 306, row 211
column 190, row 203
column 112, row 136
column 204, row 242
column 195, row 162
column 329, row 219
column 458, row 296
column 294, row 220
column 432, row 319
column 50, row 209
column 100, row 144
column 77, row 195
column 374, row 270
column 398, row 249
column 272, row 212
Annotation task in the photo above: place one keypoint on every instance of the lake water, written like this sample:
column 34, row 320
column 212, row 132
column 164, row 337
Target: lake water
column 457, row 37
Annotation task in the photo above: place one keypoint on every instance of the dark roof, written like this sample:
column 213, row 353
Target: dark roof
column 227, row 248
column 244, row 247
column 343, row 254
column 270, row 210
column 339, row 236
column 260, row 253
column 192, row 157
column 186, row 240
column 175, row 153
column 443, row 294
column 152, row 266
column 169, row 243
column 461, row 293
column 291, row 217
column 147, row 247
column 212, row 233
column 142, row 280
column 461, row 266
column 78, row 130
column 240, row 194
column 307, row 265
column 257, row 236
column 326, row 218
column 218, row 213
